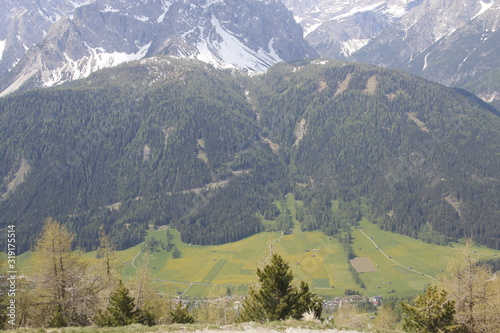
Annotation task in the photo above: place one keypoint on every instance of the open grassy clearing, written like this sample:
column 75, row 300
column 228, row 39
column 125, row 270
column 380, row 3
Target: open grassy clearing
column 313, row 257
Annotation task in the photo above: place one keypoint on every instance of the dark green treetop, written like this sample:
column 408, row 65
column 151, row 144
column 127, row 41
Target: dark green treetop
column 121, row 311
column 277, row 298
column 180, row 314
column 432, row 313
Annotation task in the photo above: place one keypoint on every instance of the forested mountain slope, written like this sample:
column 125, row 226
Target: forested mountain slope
column 168, row 141
column 424, row 158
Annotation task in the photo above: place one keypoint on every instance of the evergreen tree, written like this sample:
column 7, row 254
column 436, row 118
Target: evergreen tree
column 169, row 244
column 181, row 315
column 121, row 311
column 432, row 313
column 277, row 299
column 58, row 319
column 307, row 302
column 176, row 253
column 146, row 316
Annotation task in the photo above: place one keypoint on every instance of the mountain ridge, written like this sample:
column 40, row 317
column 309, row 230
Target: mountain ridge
column 248, row 35
column 178, row 142
column 452, row 43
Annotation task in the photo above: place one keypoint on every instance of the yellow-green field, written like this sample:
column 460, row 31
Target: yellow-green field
column 204, row 270
column 421, row 257
column 313, row 257
column 208, row 271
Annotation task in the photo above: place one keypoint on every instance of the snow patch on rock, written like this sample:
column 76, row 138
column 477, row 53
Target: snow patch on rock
column 2, row 47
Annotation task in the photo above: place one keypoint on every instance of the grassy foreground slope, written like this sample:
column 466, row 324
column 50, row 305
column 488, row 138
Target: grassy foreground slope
column 272, row 327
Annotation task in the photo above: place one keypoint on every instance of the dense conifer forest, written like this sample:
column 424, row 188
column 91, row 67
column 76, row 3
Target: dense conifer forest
column 175, row 142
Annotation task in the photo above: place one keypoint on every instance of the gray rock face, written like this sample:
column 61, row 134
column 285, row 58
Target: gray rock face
column 467, row 57
column 51, row 42
column 338, row 28
column 24, row 23
column 419, row 28
column 451, row 42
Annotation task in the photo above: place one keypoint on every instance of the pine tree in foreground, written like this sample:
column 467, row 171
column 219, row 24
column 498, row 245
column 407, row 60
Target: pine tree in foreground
column 277, row 299
column 57, row 319
column 432, row 313
column 121, row 310
column 181, row 315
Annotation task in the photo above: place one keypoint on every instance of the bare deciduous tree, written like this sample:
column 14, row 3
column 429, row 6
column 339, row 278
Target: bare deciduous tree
column 476, row 292
column 144, row 290
column 62, row 284
column 106, row 268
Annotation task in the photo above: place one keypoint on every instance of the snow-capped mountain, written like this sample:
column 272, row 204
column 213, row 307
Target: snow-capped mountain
column 451, row 42
column 24, row 23
column 422, row 26
column 468, row 56
column 338, row 28
column 49, row 42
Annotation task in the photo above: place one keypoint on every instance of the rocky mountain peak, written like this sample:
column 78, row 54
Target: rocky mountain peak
column 73, row 38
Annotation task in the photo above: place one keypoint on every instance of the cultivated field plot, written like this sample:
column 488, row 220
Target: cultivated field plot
column 363, row 265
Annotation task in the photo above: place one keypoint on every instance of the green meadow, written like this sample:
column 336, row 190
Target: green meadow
column 408, row 264
column 403, row 266
column 209, row 270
